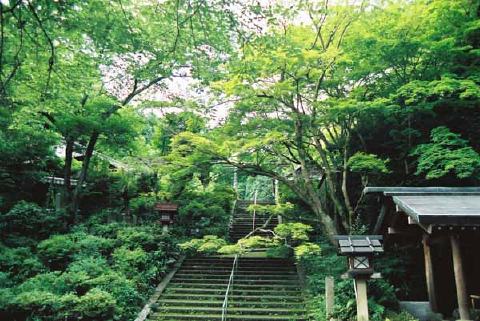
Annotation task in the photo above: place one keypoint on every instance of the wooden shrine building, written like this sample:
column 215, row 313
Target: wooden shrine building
column 446, row 220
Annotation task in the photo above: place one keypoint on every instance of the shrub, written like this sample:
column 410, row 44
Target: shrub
column 399, row 316
column 130, row 262
column 125, row 292
column 96, row 304
column 30, row 221
column 306, row 249
column 20, row 263
column 209, row 244
column 59, row 250
column 56, row 252
column 144, row 237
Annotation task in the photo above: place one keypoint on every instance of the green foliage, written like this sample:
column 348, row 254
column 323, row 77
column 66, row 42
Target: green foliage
column 96, row 304
column 367, row 164
column 381, row 298
column 306, row 249
column 447, row 154
column 130, row 262
column 272, row 210
column 95, row 277
column 400, row 316
column 29, row 221
column 209, row 244
column 59, row 250
column 19, row 263
column 205, row 209
column 293, row 232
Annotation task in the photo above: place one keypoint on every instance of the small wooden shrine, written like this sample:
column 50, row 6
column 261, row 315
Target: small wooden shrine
column 167, row 213
column 446, row 220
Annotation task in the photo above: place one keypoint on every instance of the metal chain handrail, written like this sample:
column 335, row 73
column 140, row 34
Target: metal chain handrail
column 229, row 288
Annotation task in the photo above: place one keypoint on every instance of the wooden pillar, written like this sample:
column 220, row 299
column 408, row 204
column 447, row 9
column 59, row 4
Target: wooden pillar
column 362, row 301
column 462, row 296
column 329, row 296
column 432, row 298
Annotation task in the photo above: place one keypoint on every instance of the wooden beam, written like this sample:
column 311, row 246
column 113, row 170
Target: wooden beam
column 411, row 221
column 404, row 231
column 432, row 297
column 462, row 296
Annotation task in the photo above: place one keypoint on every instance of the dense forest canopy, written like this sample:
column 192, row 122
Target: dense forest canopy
column 132, row 102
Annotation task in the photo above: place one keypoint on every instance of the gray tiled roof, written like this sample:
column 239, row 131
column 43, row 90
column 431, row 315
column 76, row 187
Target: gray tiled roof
column 359, row 244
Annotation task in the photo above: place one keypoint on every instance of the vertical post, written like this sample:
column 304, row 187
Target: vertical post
column 277, row 198
column 58, row 200
column 329, row 296
column 235, row 180
column 362, row 301
column 432, row 298
column 462, row 296
column 254, row 209
column 276, row 191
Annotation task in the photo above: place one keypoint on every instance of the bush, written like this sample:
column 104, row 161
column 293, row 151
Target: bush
column 133, row 237
column 20, row 263
column 96, row 304
column 29, row 221
column 209, row 244
column 59, row 250
column 56, row 252
column 399, row 316
column 125, row 292
column 130, row 262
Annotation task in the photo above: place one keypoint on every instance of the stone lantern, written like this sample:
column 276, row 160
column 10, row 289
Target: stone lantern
column 360, row 250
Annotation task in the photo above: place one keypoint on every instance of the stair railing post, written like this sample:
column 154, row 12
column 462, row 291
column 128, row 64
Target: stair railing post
column 229, row 288
column 254, row 208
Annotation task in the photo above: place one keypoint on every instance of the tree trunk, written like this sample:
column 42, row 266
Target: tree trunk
column 83, row 174
column 346, row 197
column 332, row 183
column 328, row 223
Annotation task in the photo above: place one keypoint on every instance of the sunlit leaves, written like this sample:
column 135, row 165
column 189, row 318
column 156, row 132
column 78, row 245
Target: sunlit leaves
column 447, row 154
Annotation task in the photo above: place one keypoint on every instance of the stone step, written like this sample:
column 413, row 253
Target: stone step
column 257, row 298
column 236, row 281
column 214, row 265
column 238, row 286
column 241, row 273
column 292, row 277
column 232, row 302
column 214, row 317
column 236, row 291
column 234, row 310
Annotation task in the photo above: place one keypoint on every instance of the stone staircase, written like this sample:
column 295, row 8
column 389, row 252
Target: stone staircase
column 264, row 289
column 242, row 222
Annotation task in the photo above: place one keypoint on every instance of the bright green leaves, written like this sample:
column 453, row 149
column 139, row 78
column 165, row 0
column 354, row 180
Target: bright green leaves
column 209, row 244
column 365, row 164
column 447, row 154
column 293, row 231
column 431, row 93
